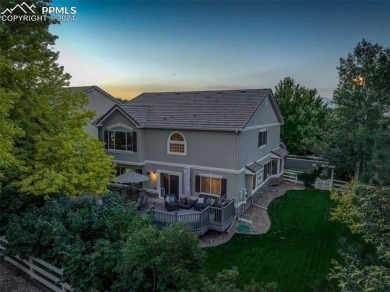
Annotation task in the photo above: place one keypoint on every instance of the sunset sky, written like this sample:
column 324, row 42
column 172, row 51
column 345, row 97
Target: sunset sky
column 130, row 47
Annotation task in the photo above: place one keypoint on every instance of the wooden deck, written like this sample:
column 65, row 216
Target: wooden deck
column 210, row 218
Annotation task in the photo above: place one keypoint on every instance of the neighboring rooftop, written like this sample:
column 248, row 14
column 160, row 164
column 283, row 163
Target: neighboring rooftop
column 86, row 89
column 215, row 110
column 81, row 88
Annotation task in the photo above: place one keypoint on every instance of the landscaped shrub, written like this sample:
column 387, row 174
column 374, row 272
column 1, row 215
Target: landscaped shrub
column 12, row 202
column 309, row 178
column 104, row 246
column 160, row 260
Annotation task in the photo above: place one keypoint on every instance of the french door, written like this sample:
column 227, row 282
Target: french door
column 170, row 183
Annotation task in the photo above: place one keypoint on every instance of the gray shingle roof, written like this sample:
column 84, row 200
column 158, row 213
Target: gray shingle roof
column 254, row 167
column 214, row 110
column 281, row 151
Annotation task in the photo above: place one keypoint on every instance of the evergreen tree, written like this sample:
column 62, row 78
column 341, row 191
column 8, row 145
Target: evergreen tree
column 43, row 120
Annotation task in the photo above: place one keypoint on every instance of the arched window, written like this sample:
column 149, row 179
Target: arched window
column 177, row 144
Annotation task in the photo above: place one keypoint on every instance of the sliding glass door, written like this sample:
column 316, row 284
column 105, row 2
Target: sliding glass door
column 170, row 183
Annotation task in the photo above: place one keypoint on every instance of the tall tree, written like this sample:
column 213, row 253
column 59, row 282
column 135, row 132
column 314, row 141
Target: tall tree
column 365, row 210
column 304, row 116
column 44, row 121
column 362, row 99
column 379, row 166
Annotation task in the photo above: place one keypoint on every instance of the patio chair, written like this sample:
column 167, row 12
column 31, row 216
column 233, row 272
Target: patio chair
column 171, row 203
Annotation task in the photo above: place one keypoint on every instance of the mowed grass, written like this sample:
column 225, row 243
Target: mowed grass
column 296, row 252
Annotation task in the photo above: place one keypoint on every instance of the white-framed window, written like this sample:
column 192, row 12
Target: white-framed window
column 209, row 184
column 262, row 138
column 177, row 144
column 271, row 168
column 120, row 140
column 274, row 166
column 257, row 179
column 267, row 170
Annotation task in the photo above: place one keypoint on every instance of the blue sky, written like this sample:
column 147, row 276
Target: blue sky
column 130, row 47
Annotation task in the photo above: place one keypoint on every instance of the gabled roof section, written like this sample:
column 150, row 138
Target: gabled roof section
column 87, row 89
column 116, row 107
column 271, row 99
column 223, row 110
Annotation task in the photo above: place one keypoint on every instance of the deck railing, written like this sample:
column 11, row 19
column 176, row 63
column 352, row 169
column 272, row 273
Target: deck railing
column 216, row 218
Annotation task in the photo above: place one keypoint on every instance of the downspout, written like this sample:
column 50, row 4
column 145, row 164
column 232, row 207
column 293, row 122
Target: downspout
column 237, row 163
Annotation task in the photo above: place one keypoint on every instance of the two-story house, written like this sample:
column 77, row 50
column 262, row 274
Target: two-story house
column 99, row 101
column 222, row 143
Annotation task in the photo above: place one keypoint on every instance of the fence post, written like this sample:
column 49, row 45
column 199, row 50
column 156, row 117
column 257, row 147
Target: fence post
column 30, row 263
column 331, row 179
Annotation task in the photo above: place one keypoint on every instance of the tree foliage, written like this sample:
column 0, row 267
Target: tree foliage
column 304, row 116
column 44, row 148
column 310, row 178
column 365, row 210
column 103, row 245
column 379, row 166
column 160, row 260
column 362, row 99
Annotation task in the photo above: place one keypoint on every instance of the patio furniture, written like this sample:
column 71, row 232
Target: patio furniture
column 186, row 203
column 204, row 201
column 171, row 203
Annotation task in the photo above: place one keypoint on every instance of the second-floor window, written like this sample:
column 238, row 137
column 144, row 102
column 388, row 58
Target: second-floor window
column 177, row 144
column 121, row 140
column 262, row 138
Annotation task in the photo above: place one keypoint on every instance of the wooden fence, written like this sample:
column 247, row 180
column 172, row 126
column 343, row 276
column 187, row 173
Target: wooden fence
column 45, row 273
column 291, row 175
column 329, row 184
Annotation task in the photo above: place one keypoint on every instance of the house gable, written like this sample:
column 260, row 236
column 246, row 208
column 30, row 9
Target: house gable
column 266, row 115
column 113, row 115
column 99, row 102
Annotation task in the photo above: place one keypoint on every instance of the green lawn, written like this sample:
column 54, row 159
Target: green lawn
column 296, row 252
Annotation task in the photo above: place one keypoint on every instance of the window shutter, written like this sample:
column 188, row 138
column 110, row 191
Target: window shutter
column 265, row 137
column 106, row 139
column 197, row 183
column 223, row 186
column 134, row 141
column 259, row 142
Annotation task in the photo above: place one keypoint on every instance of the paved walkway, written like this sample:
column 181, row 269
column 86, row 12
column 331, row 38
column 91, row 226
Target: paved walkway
column 256, row 217
column 12, row 280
